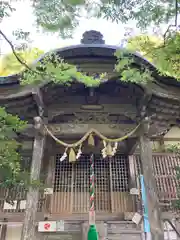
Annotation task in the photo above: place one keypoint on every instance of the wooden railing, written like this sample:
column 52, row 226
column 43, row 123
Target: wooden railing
column 165, row 175
column 14, row 200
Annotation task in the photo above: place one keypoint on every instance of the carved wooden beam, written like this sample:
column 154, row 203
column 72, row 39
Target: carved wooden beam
column 66, row 130
column 81, row 129
column 127, row 110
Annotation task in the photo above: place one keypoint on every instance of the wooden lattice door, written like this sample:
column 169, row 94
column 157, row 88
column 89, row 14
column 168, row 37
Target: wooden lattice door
column 71, row 185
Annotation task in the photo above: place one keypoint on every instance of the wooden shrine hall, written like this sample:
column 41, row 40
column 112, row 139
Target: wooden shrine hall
column 150, row 116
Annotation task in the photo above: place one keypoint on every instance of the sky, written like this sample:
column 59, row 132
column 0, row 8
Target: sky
column 23, row 18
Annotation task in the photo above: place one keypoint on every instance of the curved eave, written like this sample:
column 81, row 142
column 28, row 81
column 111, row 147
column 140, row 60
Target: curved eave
column 99, row 51
column 165, row 112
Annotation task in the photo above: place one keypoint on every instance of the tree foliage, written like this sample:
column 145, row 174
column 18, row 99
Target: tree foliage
column 64, row 16
column 10, row 168
column 165, row 56
column 127, row 71
column 55, row 69
column 10, row 65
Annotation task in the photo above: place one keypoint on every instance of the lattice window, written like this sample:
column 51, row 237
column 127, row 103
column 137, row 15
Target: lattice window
column 120, row 174
column 71, row 183
column 164, row 173
column 81, row 174
column 121, row 200
column 18, row 193
column 102, row 193
column 81, row 185
column 63, row 176
column 62, row 197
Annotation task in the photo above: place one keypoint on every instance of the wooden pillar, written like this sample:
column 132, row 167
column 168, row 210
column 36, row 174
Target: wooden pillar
column 3, row 232
column 154, row 212
column 111, row 186
column 132, row 183
column 29, row 225
column 49, row 182
column 50, row 172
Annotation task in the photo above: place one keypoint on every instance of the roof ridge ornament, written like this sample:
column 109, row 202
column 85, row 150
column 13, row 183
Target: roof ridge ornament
column 92, row 37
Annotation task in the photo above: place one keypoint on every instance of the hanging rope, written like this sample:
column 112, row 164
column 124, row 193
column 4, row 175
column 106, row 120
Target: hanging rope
column 89, row 134
column 92, row 232
column 108, row 149
column 92, row 184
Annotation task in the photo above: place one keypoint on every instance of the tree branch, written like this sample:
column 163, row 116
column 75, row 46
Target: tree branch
column 14, row 51
column 176, row 13
column 19, row 59
column 43, row 74
column 175, row 21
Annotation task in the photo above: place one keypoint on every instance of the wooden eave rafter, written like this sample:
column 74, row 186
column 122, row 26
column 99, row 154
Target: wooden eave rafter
column 160, row 106
column 149, row 97
column 23, row 98
column 163, row 91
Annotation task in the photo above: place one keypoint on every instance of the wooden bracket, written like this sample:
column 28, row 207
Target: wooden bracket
column 144, row 104
column 38, row 98
column 38, row 125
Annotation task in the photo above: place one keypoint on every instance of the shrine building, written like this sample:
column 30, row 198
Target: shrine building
column 143, row 118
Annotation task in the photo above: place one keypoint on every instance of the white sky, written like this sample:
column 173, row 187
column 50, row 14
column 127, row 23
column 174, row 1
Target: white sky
column 23, row 18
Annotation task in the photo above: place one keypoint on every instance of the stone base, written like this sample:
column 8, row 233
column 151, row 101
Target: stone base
column 110, row 230
column 114, row 230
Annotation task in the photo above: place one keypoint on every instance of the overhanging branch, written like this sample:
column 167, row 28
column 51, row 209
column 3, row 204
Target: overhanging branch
column 22, row 62
column 175, row 22
column 18, row 58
